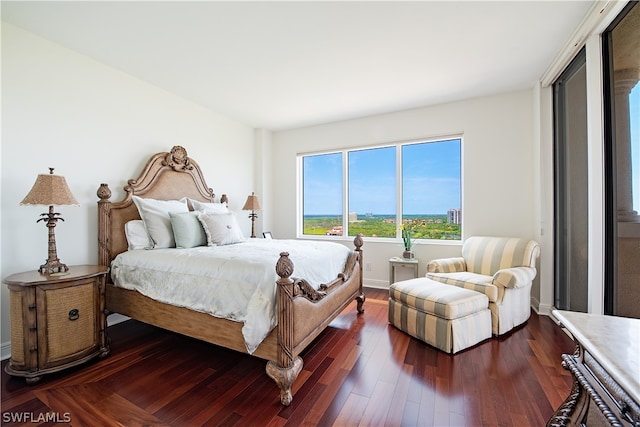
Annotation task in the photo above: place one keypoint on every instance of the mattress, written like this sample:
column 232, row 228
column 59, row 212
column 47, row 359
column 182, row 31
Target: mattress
column 235, row 282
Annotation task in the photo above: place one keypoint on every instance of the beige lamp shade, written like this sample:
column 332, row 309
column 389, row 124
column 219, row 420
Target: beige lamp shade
column 252, row 203
column 50, row 190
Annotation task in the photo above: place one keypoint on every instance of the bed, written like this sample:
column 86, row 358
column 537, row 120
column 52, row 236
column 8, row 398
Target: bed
column 302, row 310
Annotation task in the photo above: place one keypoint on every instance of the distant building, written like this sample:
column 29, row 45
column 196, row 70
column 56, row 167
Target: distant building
column 335, row 231
column 454, row 216
column 353, row 216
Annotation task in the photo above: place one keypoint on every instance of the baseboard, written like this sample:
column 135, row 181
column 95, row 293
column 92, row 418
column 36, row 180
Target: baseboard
column 541, row 309
column 545, row 309
column 377, row 284
column 116, row 318
column 535, row 305
column 5, row 350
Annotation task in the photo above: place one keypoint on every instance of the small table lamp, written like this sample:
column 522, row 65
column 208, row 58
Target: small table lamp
column 51, row 190
column 252, row 204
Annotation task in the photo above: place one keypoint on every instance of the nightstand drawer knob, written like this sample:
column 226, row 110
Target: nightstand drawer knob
column 74, row 314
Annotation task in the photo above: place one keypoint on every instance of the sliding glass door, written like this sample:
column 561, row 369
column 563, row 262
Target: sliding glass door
column 571, row 214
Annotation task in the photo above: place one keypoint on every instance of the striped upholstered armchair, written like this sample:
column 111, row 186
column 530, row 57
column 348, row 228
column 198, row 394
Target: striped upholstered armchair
column 502, row 268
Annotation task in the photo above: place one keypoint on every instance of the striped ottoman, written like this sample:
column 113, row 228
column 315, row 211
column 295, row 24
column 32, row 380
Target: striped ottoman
column 447, row 317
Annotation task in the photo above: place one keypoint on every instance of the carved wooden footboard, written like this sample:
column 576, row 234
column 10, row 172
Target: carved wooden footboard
column 303, row 313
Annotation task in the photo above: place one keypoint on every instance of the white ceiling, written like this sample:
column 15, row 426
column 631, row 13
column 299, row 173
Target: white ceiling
column 282, row 65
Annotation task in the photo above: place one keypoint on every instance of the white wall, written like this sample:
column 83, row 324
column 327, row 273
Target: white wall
column 94, row 124
column 500, row 168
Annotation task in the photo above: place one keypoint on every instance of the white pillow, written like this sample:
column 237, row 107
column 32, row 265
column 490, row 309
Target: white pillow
column 155, row 215
column 221, row 229
column 209, row 207
column 137, row 236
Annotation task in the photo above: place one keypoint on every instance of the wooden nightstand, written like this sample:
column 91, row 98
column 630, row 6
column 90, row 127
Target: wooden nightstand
column 57, row 321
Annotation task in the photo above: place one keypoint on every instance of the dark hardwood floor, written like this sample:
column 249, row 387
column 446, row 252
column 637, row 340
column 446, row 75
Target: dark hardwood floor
column 360, row 371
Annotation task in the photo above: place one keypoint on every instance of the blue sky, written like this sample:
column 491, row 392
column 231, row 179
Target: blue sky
column 431, row 183
column 323, row 184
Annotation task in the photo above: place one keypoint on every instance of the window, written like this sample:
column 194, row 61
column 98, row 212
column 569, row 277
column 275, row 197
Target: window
column 431, row 195
column 371, row 191
column 322, row 194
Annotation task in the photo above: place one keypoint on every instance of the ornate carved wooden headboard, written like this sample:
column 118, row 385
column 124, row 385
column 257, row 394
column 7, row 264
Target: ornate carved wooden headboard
column 166, row 176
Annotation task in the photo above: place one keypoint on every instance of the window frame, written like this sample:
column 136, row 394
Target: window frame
column 399, row 188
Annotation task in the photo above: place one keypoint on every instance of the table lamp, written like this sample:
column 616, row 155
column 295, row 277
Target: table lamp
column 51, row 190
column 252, row 204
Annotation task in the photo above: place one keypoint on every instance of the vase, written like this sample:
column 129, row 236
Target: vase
column 408, row 254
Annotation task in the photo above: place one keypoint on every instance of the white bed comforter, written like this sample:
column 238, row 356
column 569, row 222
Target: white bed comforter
column 236, row 282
